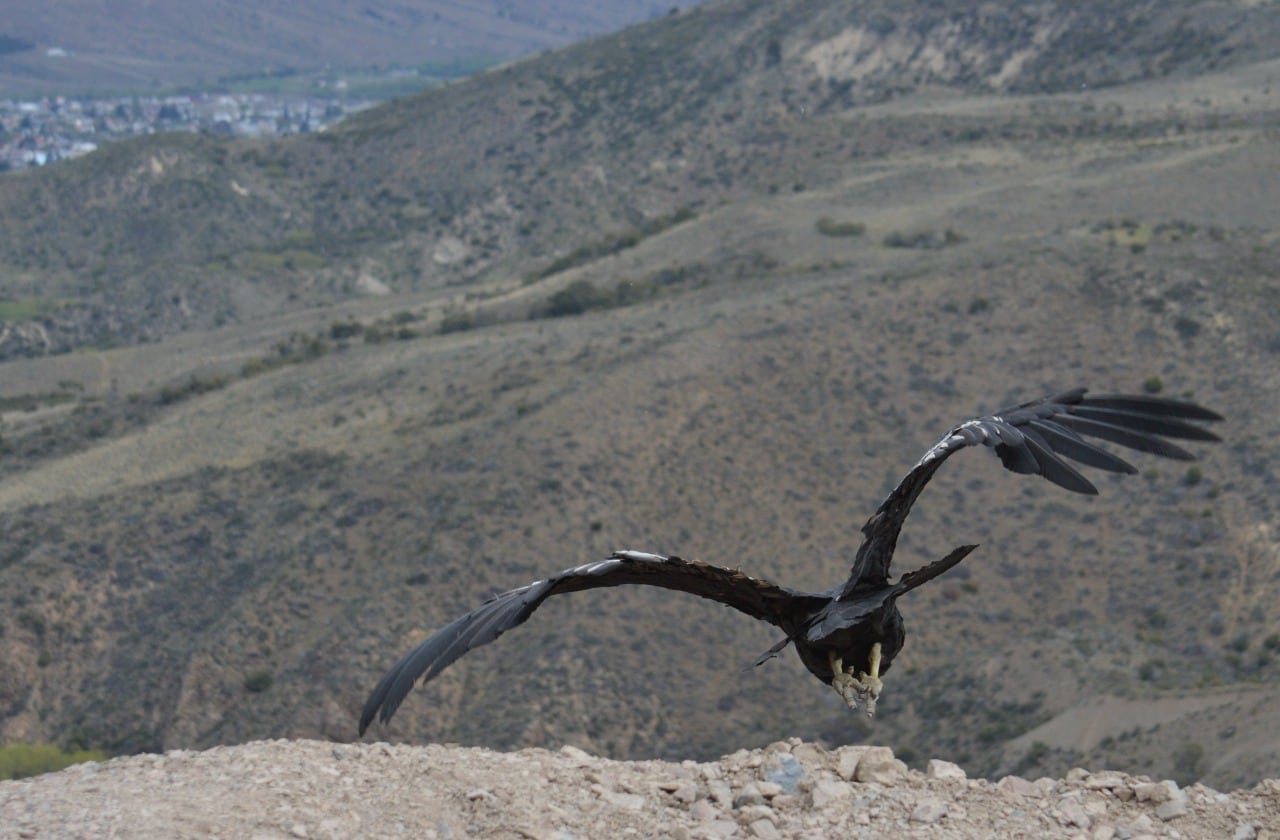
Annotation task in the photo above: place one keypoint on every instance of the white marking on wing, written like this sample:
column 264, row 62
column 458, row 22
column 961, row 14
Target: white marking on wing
column 640, row 556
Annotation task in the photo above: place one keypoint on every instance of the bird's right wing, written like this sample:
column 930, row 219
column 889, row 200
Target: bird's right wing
column 757, row 598
column 1037, row 438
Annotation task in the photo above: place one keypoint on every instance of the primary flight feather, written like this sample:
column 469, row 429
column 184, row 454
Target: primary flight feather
column 848, row 635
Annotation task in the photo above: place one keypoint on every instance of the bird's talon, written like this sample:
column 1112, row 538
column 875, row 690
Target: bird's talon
column 864, row 687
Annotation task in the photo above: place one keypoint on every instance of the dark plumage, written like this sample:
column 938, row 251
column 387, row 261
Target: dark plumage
column 848, row 635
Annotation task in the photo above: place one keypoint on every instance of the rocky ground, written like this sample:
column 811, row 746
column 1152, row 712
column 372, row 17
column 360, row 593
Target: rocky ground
column 310, row 789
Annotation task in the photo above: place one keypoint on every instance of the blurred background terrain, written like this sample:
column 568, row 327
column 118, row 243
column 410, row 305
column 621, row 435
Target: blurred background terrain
column 273, row 409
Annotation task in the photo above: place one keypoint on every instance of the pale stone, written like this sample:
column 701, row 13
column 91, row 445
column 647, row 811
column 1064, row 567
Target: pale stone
column 1172, row 808
column 847, row 761
column 769, row 789
column 749, row 795
column 685, row 792
column 1070, row 813
column 810, row 755
column 721, row 792
column 929, row 811
column 626, row 801
column 751, row 813
column 1156, row 792
column 878, row 765
column 1103, row 781
column 1018, row 785
column 704, row 811
column 828, row 791
column 939, row 769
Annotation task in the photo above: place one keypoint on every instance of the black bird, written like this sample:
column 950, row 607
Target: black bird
column 847, row 636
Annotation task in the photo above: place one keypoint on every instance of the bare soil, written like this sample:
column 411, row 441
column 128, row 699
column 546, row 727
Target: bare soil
column 312, row 789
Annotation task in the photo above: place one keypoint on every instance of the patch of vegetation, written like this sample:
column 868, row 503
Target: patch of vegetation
column 1153, row 384
column 297, row 348
column 194, row 386
column 1187, row 763
column 288, row 259
column 828, row 226
column 20, row 761
column 614, row 243
column 31, row 402
column 578, row 297
column 1186, row 327
column 24, row 309
column 257, row 682
column 456, row 320
column 928, row 240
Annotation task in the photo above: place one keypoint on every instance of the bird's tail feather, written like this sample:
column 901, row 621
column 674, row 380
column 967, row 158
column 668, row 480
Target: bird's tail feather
column 769, row 654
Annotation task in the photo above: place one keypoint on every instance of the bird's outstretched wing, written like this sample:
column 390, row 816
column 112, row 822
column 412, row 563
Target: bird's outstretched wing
column 757, row 598
column 1036, row 438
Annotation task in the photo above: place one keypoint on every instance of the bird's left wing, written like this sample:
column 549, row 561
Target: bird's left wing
column 1036, row 438
column 757, row 598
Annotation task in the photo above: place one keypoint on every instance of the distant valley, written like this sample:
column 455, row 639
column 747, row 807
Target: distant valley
column 76, row 47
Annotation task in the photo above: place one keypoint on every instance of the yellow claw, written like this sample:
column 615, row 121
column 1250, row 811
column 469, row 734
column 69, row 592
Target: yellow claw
column 865, row 686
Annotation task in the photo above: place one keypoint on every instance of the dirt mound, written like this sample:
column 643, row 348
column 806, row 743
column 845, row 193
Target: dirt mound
column 310, row 789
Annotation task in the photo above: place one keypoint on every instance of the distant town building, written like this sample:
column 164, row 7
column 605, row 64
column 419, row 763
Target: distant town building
column 40, row 132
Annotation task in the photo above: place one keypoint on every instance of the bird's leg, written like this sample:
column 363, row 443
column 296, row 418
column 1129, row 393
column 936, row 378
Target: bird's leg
column 871, row 682
column 865, row 686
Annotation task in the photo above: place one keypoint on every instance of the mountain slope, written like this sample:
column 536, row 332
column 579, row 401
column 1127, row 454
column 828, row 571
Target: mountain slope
column 511, row 169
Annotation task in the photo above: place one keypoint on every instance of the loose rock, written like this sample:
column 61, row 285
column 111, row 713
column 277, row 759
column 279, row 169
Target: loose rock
column 877, row 764
column 929, row 811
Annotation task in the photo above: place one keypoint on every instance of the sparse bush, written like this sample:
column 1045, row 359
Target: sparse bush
column 340, row 330
column 1186, row 763
column 830, row 227
column 33, row 622
column 613, row 243
column 1187, row 328
column 1153, row 385
column 194, row 386
column 258, row 681
column 456, row 320
column 1192, row 476
column 578, row 297
column 923, row 239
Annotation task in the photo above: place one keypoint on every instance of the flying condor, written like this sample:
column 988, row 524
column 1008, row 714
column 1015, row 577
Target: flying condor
column 848, row 635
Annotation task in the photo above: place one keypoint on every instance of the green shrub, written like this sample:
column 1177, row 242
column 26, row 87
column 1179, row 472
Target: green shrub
column 18, row 761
